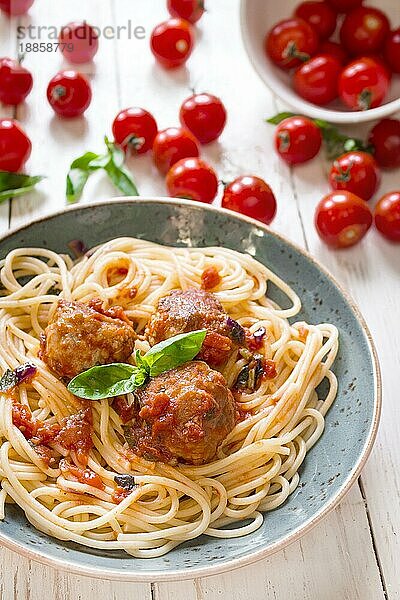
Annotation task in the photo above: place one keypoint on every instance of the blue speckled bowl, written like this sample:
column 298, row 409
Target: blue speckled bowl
column 330, row 468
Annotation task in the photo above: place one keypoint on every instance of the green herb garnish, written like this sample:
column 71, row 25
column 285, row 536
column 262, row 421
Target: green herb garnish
column 106, row 381
column 112, row 162
column 16, row 184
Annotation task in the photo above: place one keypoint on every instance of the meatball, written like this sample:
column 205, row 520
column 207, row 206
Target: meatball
column 183, row 414
column 79, row 337
column 181, row 312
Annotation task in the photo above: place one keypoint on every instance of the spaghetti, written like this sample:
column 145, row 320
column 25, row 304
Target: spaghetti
column 256, row 466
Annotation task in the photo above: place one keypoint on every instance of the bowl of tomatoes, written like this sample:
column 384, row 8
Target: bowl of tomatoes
column 337, row 60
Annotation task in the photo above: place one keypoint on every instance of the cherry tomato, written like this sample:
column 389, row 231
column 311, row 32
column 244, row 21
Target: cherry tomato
column 317, row 80
column 173, row 144
column 15, row 7
column 250, row 196
column 356, row 172
column 363, row 83
column 192, row 178
column 172, row 42
column 82, row 38
column 392, row 50
column 15, row 146
column 69, row 93
column 387, row 216
column 364, row 30
column 15, row 82
column 335, row 50
column 319, row 15
column 191, row 10
column 385, row 137
column 344, row 6
column 342, row 219
column 297, row 139
column 291, row 42
column 134, row 129
column 204, row 115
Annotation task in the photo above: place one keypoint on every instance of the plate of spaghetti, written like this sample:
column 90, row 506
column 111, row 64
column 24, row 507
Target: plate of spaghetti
column 182, row 390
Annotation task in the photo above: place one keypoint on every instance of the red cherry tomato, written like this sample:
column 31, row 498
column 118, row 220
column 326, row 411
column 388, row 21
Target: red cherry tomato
column 317, row 80
column 344, row 6
column 250, row 196
column 15, row 146
column 191, row 10
column 335, row 50
column 134, row 129
column 192, row 178
column 173, row 144
column 15, row 7
column 392, row 50
column 15, row 82
column 172, row 42
column 319, row 15
column 69, row 93
column 356, row 172
column 364, row 83
column 204, row 115
column 342, row 219
column 297, row 139
column 291, row 42
column 364, row 30
column 385, row 137
column 79, row 42
column 387, row 216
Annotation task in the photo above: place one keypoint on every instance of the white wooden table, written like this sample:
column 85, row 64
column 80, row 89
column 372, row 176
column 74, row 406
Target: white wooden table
column 355, row 552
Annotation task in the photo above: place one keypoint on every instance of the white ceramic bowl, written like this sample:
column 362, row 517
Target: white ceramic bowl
column 257, row 18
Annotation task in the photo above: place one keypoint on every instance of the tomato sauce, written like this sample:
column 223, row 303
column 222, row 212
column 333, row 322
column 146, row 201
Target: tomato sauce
column 76, row 434
column 210, row 278
column 86, row 476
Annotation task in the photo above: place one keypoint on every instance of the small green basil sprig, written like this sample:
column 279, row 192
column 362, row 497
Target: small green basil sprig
column 106, row 381
column 113, row 164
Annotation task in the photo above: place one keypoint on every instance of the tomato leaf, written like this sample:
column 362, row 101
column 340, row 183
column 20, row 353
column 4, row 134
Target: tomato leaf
column 173, row 352
column 16, row 184
column 106, row 381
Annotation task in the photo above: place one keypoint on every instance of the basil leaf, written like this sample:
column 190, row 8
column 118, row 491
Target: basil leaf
column 173, row 352
column 279, row 118
column 112, row 162
column 116, row 154
column 122, row 179
column 8, row 381
column 78, row 175
column 116, row 171
column 83, row 162
column 106, row 381
column 16, row 184
column 100, row 162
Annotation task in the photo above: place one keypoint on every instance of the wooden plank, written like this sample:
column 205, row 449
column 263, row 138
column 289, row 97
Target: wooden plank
column 370, row 271
column 57, row 141
column 302, row 570
column 8, row 48
column 336, row 560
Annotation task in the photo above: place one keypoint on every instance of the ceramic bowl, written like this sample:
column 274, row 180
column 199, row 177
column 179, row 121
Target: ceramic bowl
column 331, row 466
column 259, row 16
